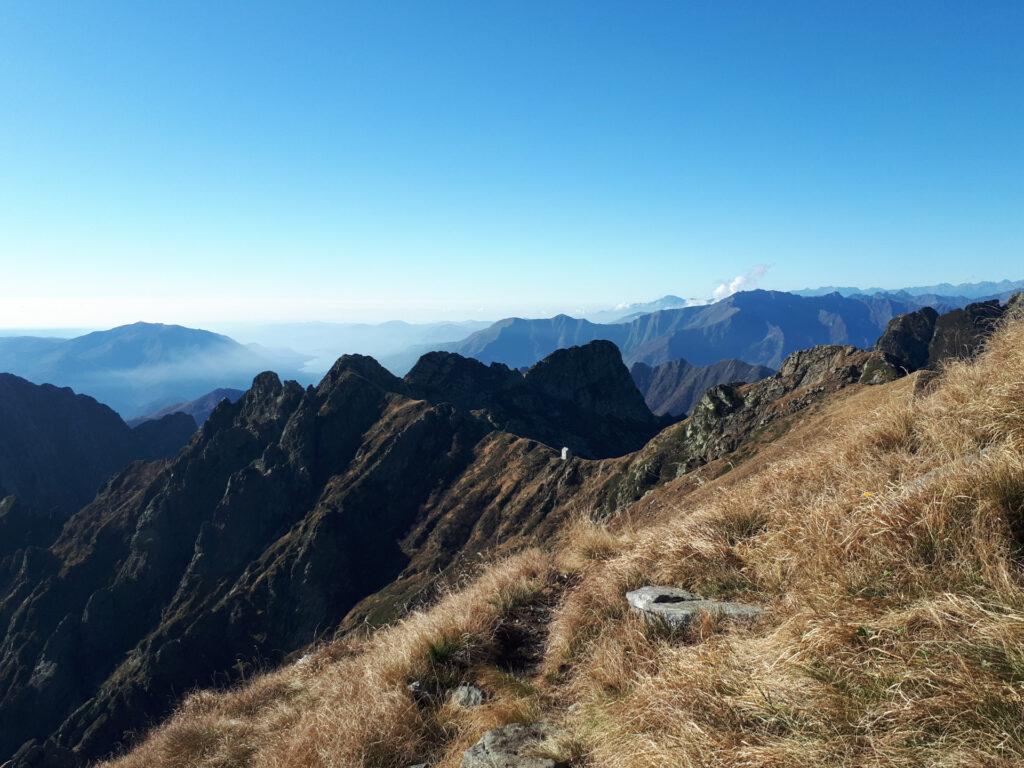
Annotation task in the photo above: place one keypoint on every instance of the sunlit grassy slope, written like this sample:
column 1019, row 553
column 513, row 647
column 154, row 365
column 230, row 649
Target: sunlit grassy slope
column 883, row 536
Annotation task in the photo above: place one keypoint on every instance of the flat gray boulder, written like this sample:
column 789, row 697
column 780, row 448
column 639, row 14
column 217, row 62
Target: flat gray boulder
column 467, row 696
column 511, row 746
column 677, row 608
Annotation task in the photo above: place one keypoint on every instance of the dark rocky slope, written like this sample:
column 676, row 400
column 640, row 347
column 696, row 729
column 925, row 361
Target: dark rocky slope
column 287, row 508
column 673, row 388
column 576, row 397
column 57, row 448
column 925, row 340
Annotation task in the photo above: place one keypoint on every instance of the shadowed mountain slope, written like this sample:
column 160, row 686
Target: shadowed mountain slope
column 57, row 447
column 673, row 388
column 580, row 397
column 927, row 340
column 287, row 508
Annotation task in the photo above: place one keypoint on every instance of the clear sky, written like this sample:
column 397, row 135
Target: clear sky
column 196, row 162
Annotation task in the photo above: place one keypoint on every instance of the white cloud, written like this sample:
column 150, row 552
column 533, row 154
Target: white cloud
column 745, row 282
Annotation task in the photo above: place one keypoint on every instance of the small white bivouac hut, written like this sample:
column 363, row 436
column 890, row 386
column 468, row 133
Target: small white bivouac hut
column 566, row 453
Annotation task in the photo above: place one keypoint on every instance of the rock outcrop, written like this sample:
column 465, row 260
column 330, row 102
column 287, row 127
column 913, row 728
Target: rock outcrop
column 678, row 609
column 729, row 415
column 581, row 397
column 925, row 340
column 906, row 339
column 510, row 746
column 467, row 696
column 961, row 333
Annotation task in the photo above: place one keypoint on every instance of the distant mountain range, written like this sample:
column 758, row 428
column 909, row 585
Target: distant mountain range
column 145, row 369
column 1002, row 289
column 199, row 409
column 140, row 368
column 756, row 327
column 625, row 312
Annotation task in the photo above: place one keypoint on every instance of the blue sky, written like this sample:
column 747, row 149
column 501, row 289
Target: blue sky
column 199, row 162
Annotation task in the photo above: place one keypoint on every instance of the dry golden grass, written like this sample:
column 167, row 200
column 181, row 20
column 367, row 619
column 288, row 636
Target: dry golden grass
column 889, row 559
column 887, row 552
column 348, row 704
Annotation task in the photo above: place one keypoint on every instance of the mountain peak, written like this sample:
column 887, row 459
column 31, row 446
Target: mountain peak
column 363, row 366
column 593, row 377
column 453, row 375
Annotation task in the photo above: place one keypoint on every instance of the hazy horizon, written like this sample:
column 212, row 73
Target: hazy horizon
column 754, row 279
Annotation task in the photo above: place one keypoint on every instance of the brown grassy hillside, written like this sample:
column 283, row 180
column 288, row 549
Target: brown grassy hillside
column 883, row 535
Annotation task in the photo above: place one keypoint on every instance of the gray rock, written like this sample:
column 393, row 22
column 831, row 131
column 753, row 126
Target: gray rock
column 511, row 746
column 906, row 338
column 678, row 608
column 467, row 696
column 962, row 333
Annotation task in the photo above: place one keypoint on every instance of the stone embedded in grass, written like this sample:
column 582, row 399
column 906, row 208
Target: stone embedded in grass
column 677, row 608
column 467, row 696
column 511, row 746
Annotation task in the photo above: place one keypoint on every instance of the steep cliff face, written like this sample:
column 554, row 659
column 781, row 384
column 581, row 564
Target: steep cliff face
column 961, row 332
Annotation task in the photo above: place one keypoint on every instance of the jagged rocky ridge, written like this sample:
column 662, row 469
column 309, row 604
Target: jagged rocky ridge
column 285, row 509
column 295, row 511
